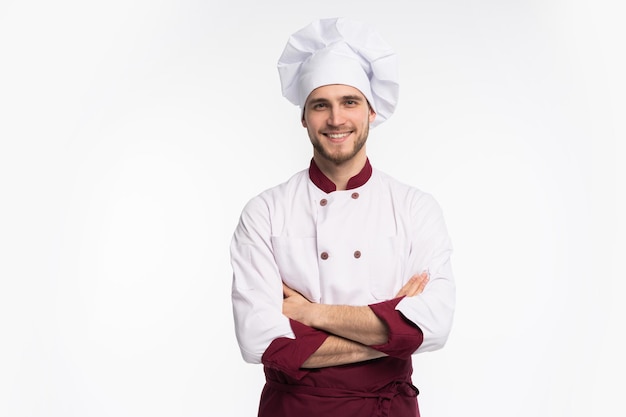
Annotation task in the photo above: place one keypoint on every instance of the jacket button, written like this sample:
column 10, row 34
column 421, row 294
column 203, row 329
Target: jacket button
column 355, row 195
column 323, row 202
column 324, row 255
column 357, row 254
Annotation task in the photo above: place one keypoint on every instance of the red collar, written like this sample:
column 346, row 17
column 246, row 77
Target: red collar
column 323, row 183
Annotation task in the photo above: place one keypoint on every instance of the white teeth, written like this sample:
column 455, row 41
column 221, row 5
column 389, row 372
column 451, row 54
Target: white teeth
column 337, row 135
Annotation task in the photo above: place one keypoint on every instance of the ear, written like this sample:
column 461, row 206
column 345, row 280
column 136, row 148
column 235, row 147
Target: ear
column 303, row 122
column 372, row 114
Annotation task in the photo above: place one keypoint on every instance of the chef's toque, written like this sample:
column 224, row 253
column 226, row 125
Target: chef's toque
column 340, row 51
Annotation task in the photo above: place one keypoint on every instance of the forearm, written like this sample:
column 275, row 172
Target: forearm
column 356, row 323
column 339, row 351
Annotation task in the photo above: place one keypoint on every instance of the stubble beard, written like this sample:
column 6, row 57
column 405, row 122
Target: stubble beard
column 339, row 158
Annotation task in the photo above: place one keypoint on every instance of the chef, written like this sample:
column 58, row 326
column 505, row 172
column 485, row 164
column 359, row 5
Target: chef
column 341, row 273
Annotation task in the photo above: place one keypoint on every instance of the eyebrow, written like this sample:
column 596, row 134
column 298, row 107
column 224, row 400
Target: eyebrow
column 342, row 98
column 352, row 97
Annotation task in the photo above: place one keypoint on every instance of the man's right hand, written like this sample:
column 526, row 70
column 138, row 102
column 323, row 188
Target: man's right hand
column 414, row 286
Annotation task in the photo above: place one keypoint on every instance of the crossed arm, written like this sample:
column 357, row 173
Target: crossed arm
column 353, row 329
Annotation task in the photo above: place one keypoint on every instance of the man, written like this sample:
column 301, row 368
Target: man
column 341, row 273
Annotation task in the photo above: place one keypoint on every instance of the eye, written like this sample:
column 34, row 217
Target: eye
column 319, row 106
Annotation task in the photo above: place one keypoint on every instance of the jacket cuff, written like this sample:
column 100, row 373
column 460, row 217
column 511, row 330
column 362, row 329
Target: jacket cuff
column 288, row 355
column 404, row 335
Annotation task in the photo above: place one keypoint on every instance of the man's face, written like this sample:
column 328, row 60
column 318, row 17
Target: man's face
column 337, row 119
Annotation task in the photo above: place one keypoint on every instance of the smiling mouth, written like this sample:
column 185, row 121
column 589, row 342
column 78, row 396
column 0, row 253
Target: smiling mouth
column 337, row 136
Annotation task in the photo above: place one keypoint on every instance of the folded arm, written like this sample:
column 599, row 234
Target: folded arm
column 354, row 329
column 339, row 351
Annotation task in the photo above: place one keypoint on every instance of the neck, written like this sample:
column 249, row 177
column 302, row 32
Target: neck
column 340, row 173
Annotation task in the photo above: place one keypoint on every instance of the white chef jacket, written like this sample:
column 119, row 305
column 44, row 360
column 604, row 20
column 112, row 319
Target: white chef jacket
column 352, row 247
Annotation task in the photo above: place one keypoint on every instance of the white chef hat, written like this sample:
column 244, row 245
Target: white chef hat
column 340, row 51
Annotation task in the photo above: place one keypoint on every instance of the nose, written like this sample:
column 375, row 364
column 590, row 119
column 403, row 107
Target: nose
column 335, row 117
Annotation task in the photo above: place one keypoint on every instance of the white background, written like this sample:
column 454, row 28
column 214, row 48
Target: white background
column 133, row 132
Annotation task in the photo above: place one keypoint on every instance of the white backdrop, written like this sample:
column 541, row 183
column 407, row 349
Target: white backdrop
column 133, row 132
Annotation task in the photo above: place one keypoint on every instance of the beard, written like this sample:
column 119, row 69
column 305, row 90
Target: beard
column 338, row 157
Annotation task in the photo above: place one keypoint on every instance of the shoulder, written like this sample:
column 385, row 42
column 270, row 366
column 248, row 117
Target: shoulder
column 418, row 209
column 402, row 192
column 272, row 196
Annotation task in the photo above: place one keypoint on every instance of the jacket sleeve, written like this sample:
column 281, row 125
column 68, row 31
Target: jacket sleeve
column 288, row 355
column 432, row 311
column 263, row 333
column 404, row 336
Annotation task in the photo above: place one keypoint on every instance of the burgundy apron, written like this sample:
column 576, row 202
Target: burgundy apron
column 378, row 388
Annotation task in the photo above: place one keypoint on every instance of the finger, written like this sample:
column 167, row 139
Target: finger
column 402, row 291
column 287, row 292
column 415, row 285
column 422, row 280
column 407, row 288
